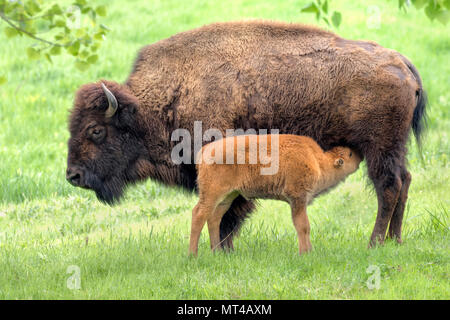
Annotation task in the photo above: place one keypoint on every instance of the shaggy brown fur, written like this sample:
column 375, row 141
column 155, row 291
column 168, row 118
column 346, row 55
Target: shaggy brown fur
column 256, row 74
column 304, row 171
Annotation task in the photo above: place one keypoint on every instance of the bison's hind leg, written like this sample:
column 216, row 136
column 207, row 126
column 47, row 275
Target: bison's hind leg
column 385, row 172
column 395, row 226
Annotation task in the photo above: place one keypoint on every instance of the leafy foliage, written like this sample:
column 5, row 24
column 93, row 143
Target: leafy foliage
column 321, row 9
column 55, row 29
column 434, row 10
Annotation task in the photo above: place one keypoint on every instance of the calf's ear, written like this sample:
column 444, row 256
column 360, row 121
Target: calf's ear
column 338, row 162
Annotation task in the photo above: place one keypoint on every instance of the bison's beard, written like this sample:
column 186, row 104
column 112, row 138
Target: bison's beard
column 109, row 190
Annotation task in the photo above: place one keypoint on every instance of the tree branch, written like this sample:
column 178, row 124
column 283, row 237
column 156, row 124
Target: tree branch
column 8, row 21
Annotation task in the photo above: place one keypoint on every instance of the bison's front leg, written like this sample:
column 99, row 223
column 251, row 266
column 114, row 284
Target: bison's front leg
column 233, row 219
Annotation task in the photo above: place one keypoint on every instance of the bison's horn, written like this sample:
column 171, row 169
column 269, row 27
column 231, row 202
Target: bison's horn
column 112, row 108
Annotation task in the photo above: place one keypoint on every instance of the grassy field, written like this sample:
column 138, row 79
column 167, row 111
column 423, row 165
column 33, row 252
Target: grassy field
column 52, row 234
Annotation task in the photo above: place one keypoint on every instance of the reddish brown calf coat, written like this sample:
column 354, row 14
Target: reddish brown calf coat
column 304, row 171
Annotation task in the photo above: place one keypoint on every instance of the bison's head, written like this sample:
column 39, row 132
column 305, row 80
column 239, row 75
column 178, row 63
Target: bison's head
column 105, row 142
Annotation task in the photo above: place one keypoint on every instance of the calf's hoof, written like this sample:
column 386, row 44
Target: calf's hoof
column 304, row 251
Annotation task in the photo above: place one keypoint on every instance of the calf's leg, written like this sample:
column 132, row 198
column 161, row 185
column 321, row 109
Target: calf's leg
column 214, row 225
column 200, row 214
column 301, row 223
column 215, row 219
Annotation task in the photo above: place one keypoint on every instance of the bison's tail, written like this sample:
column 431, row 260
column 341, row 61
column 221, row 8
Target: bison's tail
column 232, row 220
column 419, row 117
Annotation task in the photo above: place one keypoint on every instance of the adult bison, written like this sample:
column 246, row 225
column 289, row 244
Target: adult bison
column 295, row 78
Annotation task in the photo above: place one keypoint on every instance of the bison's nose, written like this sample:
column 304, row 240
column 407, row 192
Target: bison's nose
column 74, row 176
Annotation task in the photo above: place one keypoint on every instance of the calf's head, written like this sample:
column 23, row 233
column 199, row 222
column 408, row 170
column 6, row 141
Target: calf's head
column 104, row 142
column 345, row 160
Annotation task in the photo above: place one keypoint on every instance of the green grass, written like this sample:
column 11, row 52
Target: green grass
column 138, row 249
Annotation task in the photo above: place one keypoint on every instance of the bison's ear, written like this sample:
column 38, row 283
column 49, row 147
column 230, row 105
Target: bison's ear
column 126, row 116
column 338, row 163
column 122, row 104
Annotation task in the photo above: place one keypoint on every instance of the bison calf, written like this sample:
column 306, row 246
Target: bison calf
column 232, row 166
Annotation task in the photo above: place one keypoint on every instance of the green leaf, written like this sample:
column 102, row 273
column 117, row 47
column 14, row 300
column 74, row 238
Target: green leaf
column 310, row 7
column 32, row 53
column 419, row 3
column 80, row 33
column 443, row 16
column 92, row 59
column 55, row 50
column 81, row 65
column 325, row 6
column 2, row 80
column 94, row 47
column 101, row 11
column 99, row 35
column 81, row 2
column 74, row 48
column 83, row 54
column 32, row 7
column 431, row 11
column 60, row 23
column 55, row 10
column 11, row 32
column 336, row 18
column 447, row 4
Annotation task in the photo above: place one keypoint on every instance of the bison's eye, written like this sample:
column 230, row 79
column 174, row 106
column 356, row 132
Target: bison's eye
column 97, row 134
column 351, row 153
